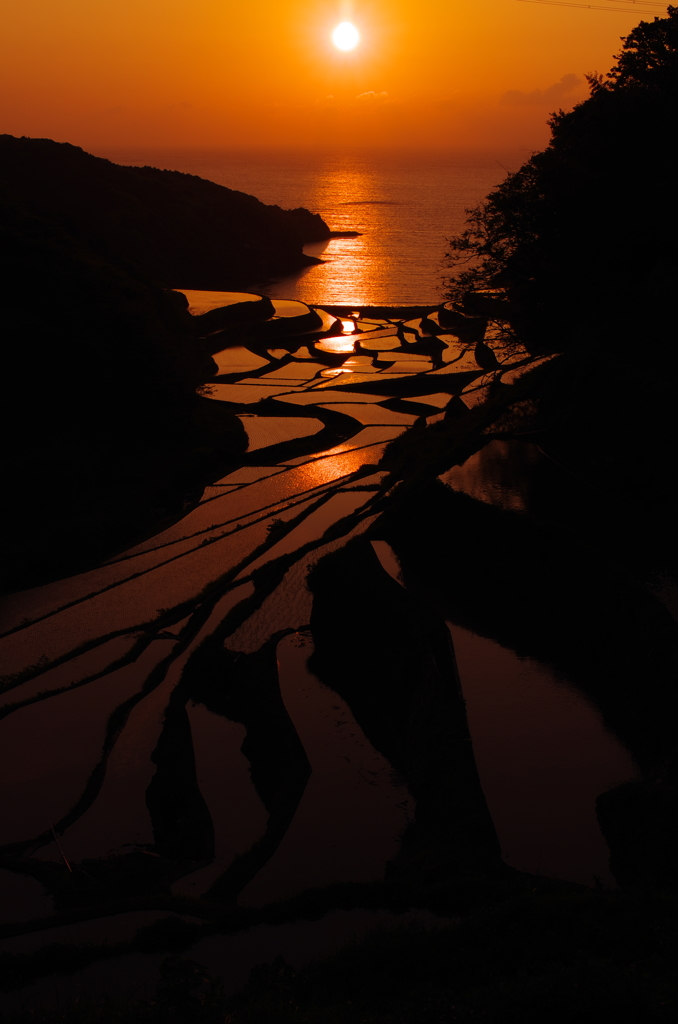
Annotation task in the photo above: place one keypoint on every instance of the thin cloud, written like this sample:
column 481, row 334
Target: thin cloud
column 372, row 97
column 553, row 94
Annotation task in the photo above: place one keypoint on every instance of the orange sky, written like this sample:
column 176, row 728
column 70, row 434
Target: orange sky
column 436, row 74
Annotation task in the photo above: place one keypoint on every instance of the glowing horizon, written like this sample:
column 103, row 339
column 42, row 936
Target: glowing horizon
column 155, row 73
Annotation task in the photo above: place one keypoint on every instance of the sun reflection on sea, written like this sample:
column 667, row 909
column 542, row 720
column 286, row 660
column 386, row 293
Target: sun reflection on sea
column 350, row 198
column 407, row 204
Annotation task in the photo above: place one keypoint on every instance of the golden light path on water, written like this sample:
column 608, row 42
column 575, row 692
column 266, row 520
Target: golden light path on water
column 404, row 214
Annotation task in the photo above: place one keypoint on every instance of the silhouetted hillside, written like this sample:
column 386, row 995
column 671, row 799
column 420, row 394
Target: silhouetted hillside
column 178, row 229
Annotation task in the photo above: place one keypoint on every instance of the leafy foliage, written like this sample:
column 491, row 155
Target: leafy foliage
column 649, row 55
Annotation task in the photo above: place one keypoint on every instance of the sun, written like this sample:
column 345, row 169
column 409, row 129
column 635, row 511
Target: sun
column 346, row 36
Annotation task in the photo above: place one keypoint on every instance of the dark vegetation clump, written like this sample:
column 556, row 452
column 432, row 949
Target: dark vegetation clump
column 556, row 957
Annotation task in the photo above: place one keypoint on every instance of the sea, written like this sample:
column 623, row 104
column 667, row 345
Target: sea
column 406, row 207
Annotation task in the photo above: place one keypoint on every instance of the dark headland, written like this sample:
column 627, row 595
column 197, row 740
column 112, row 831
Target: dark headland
column 177, row 230
column 99, row 411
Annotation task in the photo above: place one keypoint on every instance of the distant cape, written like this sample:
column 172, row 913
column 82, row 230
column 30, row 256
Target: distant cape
column 178, row 230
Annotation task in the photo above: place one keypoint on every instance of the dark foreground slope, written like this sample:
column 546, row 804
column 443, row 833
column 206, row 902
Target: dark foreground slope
column 178, row 229
column 103, row 433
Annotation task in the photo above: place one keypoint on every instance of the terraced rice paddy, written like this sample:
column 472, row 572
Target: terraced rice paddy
column 161, row 730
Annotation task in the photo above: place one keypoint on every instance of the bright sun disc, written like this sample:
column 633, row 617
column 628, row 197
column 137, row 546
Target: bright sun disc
column 346, row 36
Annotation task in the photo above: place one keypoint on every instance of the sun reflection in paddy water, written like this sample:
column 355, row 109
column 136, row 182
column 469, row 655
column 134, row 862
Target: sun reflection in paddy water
column 338, row 345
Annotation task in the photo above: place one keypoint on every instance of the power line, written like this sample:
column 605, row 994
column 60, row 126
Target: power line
column 646, row 6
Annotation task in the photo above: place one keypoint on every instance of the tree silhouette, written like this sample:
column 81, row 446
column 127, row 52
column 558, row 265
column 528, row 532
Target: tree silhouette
column 584, row 232
column 649, row 54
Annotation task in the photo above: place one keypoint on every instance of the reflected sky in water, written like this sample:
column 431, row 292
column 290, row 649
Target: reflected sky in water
column 543, row 755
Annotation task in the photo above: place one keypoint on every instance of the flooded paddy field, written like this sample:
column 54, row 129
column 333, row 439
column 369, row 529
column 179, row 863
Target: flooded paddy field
column 257, row 731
